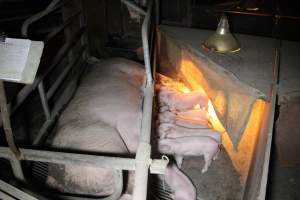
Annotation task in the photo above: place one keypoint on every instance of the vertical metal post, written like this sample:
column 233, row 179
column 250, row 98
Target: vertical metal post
column 6, row 121
column 44, row 101
column 17, row 169
column 144, row 149
column 15, row 161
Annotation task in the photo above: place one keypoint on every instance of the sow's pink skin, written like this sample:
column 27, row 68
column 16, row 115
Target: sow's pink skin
column 182, row 187
column 190, row 146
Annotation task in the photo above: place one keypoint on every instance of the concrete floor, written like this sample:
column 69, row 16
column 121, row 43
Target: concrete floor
column 220, row 182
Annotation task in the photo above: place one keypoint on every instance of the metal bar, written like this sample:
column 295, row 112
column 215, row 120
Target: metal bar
column 249, row 13
column 44, row 100
column 6, row 122
column 144, row 149
column 73, row 158
column 5, row 196
column 145, row 32
column 55, row 113
column 42, row 132
column 134, row 7
column 17, row 169
column 51, row 7
column 62, row 76
column 15, row 192
column 22, row 95
column 61, row 27
column 261, row 14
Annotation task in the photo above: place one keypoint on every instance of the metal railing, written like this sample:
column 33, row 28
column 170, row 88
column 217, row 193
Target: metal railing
column 142, row 161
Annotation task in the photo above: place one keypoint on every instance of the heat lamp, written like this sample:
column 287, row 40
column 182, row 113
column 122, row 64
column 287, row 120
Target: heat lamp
column 222, row 40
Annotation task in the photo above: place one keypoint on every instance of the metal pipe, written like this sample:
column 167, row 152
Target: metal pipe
column 62, row 76
column 23, row 94
column 261, row 14
column 51, row 7
column 249, row 13
column 134, row 7
column 56, row 110
column 61, row 27
column 6, row 122
column 17, row 169
column 72, row 158
column 5, row 196
column 145, row 42
column 44, row 100
column 15, row 192
column 144, row 148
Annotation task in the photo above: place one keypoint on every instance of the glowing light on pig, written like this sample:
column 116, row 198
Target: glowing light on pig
column 197, row 106
column 186, row 90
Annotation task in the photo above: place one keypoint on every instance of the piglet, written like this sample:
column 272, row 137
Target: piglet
column 169, row 130
column 192, row 123
column 182, row 101
column 190, row 146
column 182, row 187
column 195, row 115
column 166, row 117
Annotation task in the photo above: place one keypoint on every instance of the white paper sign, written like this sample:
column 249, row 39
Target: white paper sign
column 19, row 59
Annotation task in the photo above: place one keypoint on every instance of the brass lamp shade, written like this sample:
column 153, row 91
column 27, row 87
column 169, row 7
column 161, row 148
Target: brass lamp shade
column 222, row 40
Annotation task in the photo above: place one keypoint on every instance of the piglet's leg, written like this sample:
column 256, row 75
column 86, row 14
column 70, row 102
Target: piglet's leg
column 179, row 160
column 217, row 153
column 208, row 160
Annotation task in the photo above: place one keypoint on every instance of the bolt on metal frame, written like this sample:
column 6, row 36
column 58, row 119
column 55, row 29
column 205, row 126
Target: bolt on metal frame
column 142, row 161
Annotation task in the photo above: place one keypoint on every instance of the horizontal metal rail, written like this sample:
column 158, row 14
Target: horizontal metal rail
column 71, row 158
column 15, row 192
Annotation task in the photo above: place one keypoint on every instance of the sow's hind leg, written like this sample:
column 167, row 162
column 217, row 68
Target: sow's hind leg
column 80, row 135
